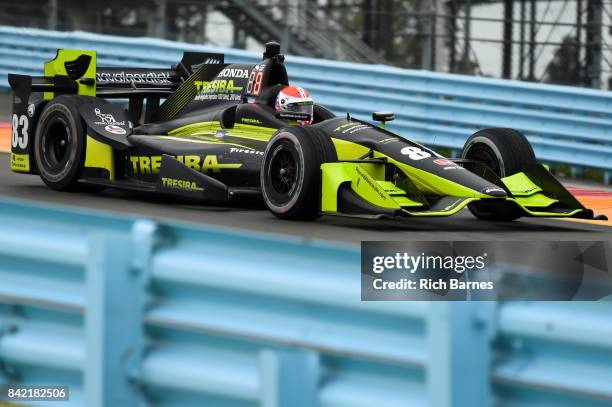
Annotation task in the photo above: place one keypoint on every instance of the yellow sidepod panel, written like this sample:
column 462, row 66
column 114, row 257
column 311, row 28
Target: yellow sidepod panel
column 99, row 155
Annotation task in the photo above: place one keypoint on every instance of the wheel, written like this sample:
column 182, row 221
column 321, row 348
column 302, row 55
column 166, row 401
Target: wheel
column 59, row 142
column 506, row 152
column 291, row 172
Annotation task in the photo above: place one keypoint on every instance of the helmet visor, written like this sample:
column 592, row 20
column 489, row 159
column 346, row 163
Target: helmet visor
column 300, row 107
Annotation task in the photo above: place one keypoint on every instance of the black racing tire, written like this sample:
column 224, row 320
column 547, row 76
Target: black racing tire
column 59, row 142
column 291, row 172
column 506, row 152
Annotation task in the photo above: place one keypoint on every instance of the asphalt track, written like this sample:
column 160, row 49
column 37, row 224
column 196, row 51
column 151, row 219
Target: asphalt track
column 253, row 216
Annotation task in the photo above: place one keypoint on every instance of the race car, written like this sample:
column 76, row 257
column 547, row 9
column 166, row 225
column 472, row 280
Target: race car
column 219, row 135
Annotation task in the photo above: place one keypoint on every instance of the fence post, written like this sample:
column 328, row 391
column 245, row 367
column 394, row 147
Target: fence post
column 459, row 353
column 160, row 19
column 52, row 15
column 289, row 378
column 115, row 281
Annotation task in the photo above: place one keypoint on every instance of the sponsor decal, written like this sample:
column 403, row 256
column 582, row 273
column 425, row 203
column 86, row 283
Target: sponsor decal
column 443, row 161
column 218, row 85
column 351, row 128
column 31, row 109
column 219, row 89
column 111, row 128
column 108, row 120
column 250, row 120
column 488, row 190
column 181, row 184
column 366, row 178
column 234, row 73
column 389, row 140
column 293, row 115
column 451, row 206
column 448, row 164
column 152, row 164
column 228, row 97
column 208, row 61
column 20, row 162
column 154, row 78
column 245, row 151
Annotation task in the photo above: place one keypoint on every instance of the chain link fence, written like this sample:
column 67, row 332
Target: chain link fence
column 556, row 41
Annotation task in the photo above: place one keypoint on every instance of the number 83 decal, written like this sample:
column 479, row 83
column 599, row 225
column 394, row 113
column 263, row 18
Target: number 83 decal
column 20, row 138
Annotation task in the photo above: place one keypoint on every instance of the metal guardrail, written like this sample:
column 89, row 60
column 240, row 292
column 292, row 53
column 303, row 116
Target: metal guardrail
column 138, row 311
column 566, row 125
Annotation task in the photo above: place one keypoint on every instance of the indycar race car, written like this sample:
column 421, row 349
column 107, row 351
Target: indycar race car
column 217, row 136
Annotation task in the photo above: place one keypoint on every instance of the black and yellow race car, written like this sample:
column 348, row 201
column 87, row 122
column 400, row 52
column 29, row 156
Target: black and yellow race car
column 217, row 136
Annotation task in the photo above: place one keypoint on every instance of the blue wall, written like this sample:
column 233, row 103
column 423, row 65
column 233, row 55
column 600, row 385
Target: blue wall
column 127, row 311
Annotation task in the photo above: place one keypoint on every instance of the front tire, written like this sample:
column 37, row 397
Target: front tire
column 506, row 152
column 59, row 142
column 291, row 172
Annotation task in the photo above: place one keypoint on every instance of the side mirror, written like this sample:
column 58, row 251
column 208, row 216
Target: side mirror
column 383, row 117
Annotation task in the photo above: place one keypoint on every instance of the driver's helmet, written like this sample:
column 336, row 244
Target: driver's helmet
column 295, row 99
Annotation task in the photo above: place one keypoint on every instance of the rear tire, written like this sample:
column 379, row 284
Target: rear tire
column 291, row 172
column 59, row 142
column 506, row 152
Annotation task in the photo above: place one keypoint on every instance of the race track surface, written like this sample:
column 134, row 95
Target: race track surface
column 253, row 216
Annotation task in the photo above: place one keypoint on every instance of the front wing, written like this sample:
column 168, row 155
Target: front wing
column 375, row 188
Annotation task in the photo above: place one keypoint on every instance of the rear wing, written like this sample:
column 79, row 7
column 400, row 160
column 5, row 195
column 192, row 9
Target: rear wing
column 75, row 72
column 123, row 82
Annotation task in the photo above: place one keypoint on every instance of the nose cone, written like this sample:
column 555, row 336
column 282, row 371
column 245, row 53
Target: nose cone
column 494, row 191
